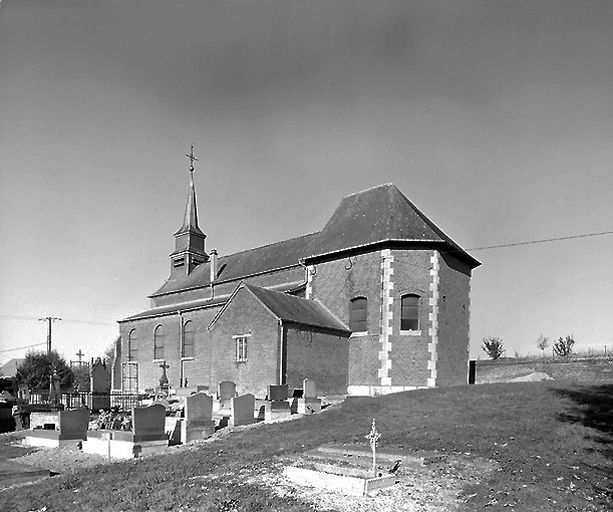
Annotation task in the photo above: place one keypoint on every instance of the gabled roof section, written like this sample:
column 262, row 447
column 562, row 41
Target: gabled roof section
column 375, row 215
column 292, row 309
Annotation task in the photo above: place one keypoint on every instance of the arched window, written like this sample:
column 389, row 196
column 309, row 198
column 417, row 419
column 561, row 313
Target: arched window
column 158, row 342
column 132, row 346
column 409, row 312
column 189, row 336
column 358, row 314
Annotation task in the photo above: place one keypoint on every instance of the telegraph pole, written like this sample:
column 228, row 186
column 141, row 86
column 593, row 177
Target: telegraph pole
column 49, row 320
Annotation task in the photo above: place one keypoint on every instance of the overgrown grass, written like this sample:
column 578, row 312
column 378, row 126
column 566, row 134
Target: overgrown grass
column 552, row 444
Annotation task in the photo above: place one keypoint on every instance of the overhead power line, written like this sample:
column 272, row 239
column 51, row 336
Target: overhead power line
column 21, row 348
column 70, row 320
column 544, row 240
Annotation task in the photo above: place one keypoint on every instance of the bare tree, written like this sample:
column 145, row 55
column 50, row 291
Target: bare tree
column 542, row 342
column 493, row 347
column 564, row 346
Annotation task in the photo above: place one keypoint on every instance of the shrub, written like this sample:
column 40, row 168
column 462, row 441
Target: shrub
column 542, row 342
column 37, row 368
column 564, row 346
column 493, row 347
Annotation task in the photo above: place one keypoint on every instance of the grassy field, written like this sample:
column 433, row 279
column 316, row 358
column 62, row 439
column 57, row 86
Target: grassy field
column 551, row 444
column 572, row 369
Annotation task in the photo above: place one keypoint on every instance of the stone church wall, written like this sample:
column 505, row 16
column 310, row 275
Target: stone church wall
column 320, row 356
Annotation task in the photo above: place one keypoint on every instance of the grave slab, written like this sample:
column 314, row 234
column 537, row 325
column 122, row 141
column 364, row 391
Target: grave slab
column 308, row 405
column 71, row 429
column 276, row 411
column 14, row 472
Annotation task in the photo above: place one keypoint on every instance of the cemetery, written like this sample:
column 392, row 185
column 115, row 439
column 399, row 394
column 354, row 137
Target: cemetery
column 160, row 419
column 482, row 447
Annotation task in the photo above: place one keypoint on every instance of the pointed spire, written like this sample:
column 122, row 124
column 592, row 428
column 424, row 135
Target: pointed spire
column 190, row 219
column 189, row 239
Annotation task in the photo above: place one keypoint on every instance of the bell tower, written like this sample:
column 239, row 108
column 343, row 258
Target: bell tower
column 189, row 239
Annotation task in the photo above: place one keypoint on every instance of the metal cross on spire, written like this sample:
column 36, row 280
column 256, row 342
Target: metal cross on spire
column 192, row 159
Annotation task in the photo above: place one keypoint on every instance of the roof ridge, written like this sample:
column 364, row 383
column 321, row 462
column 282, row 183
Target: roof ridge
column 389, row 184
column 269, row 245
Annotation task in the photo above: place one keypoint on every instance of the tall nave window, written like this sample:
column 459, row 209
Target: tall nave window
column 158, row 342
column 358, row 314
column 409, row 312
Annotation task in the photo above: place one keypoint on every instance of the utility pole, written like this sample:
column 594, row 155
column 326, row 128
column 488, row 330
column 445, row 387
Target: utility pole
column 49, row 320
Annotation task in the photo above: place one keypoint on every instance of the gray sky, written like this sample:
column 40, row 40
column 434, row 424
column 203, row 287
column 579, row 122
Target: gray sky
column 495, row 118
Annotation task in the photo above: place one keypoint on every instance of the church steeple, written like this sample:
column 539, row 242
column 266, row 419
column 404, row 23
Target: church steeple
column 189, row 239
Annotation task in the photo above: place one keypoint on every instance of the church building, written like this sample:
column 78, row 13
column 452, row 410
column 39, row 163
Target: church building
column 376, row 302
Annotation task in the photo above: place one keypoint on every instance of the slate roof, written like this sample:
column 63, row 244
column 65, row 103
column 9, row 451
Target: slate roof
column 297, row 310
column 368, row 217
column 171, row 309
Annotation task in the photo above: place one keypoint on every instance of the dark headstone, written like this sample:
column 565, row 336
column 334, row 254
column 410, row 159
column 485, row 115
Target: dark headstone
column 278, row 392
column 73, row 424
column 148, row 423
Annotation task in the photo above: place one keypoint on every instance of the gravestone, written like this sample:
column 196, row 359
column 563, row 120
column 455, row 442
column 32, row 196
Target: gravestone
column 148, row 423
column 100, row 385
column 243, row 408
column 227, row 391
column 73, row 424
column 309, row 403
column 278, row 392
column 198, row 423
column 309, row 388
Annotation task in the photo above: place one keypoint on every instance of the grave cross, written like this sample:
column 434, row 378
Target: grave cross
column 373, row 436
column 164, row 377
column 80, row 354
column 192, row 159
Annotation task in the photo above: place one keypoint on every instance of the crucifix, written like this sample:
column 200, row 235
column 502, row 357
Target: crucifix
column 192, row 159
column 80, row 354
column 373, row 436
column 164, row 378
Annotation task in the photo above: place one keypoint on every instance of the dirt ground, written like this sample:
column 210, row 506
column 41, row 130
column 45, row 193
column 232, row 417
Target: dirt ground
column 437, row 487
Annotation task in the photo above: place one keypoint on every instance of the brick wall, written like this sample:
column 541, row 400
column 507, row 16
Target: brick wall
column 335, row 283
column 197, row 371
column 453, row 329
column 246, row 315
column 409, row 352
column 319, row 356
